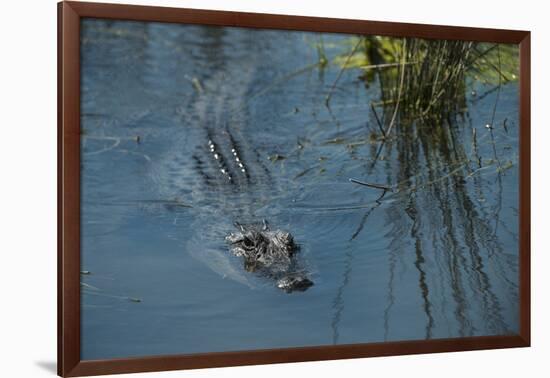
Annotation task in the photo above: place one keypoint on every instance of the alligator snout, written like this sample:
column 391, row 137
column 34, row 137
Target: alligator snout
column 298, row 282
column 270, row 252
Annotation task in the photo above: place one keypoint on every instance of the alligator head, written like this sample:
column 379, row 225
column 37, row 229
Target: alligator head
column 271, row 252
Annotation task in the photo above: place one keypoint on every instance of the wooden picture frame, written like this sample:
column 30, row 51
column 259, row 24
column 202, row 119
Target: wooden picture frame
column 69, row 311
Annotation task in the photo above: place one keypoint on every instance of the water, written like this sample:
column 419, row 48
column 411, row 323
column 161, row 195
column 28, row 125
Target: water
column 435, row 258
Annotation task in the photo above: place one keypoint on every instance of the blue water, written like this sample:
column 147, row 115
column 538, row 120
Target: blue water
column 436, row 258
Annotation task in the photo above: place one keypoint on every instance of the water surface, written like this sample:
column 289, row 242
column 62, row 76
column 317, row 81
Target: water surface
column 435, row 258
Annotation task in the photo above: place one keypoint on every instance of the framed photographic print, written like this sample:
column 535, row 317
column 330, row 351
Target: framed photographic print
column 240, row 188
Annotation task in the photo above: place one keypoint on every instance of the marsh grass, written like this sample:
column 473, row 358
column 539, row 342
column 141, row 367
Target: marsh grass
column 427, row 80
column 439, row 182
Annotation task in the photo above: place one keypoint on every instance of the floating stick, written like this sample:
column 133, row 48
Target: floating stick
column 376, row 186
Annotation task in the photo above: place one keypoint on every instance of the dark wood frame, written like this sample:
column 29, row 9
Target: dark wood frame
column 69, row 15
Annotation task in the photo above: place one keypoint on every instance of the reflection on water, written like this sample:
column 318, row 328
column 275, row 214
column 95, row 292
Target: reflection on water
column 434, row 255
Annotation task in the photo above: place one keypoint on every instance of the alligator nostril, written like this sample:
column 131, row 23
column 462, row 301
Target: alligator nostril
column 294, row 283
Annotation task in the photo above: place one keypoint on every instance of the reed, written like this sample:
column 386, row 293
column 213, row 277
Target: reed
column 426, row 80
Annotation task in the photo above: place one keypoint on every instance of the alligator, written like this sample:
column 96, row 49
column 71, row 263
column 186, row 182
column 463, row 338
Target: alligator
column 270, row 253
column 225, row 180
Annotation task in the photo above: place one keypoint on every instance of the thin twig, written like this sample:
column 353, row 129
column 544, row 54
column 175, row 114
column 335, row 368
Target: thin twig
column 370, row 185
column 385, row 65
column 378, row 202
column 480, row 54
column 378, row 152
column 494, row 114
column 394, row 116
column 380, row 126
column 329, row 95
column 499, row 68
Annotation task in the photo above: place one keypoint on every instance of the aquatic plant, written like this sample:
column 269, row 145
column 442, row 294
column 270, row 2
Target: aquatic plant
column 426, row 79
column 437, row 167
